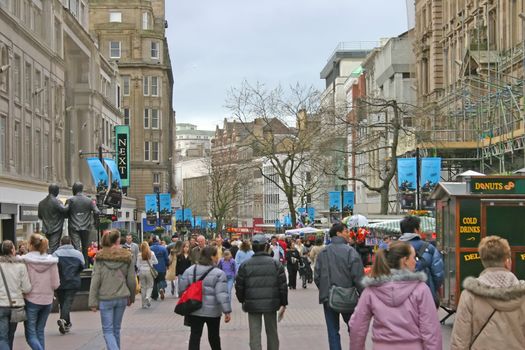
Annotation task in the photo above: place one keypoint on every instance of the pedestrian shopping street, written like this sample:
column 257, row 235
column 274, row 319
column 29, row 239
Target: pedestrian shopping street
column 303, row 327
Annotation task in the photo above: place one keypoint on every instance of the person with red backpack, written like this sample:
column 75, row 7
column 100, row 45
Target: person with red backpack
column 215, row 298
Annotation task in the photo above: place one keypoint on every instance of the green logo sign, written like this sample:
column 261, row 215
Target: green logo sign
column 497, row 185
column 122, row 148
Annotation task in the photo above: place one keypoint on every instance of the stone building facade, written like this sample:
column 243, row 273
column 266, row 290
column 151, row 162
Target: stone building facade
column 132, row 33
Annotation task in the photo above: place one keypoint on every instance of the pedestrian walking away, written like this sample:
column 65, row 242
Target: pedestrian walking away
column 400, row 303
column 171, row 272
column 70, row 265
column 292, row 264
column 215, row 299
column 159, row 285
column 337, row 265
column 491, row 310
column 112, row 286
column 429, row 259
column 44, row 278
column 14, row 284
column 261, row 289
column 145, row 262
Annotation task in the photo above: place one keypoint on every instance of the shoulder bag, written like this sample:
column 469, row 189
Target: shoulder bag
column 18, row 313
column 481, row 330
column 191, row 300
column 154, row 273
column 341, row 299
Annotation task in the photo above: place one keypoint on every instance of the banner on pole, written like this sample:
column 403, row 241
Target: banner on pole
column 151, row 208
column 406, row 181
column 334, row 199
column 165, row 208
column 430, row 175
column 348, row 203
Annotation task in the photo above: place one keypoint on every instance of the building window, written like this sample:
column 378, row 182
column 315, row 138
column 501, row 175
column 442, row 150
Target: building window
column 46, row 96
column 126, row 116
column 114, row 49
column 17, row 77
column 58, row 37
column 118, row 97
column 146, row 150
column 154, row 118
column 154, row 86
column 16, row 8
column 3, row 141
column 146, row 118
column 155, row 151
column 27, row 82
column 115, row 17
column 146, row 21
column 28, row 151
column 37, row 93
column 156, row 178
column 155, row 50
column 145, row 84
column 125, row 84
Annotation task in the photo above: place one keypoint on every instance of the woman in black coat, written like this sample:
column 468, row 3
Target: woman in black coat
column 183, row 259
column 292, row 264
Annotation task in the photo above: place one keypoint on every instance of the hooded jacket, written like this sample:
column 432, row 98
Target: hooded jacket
column 495, row 290
column 215, row 295
column 261, row 284
column 43, row 274
column 70, row 264
column 403, row 310
column 17, row 278
column 431, row 263
column 113, row 276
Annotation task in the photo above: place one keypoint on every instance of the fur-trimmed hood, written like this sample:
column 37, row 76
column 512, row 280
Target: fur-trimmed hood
column 506, row 297
column 113, row 257
column 395, row 288
column 9, row 259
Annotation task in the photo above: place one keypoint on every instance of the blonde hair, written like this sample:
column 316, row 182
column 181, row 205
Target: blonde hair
column 38, row 243
column 494, row 251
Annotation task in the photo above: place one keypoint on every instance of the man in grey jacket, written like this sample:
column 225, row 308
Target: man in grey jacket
column 52, row 213
column 81, row 210
column 338, row 264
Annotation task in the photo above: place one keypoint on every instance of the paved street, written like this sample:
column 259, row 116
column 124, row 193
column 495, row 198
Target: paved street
column 160, row 328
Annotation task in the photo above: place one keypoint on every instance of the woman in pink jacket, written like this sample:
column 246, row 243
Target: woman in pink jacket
column 400, row 302
column 43, row 274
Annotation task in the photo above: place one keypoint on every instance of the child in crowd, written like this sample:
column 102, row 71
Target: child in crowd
column 227, row 264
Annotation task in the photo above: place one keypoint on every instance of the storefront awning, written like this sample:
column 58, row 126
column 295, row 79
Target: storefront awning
column 97, row 171
column 112, row 165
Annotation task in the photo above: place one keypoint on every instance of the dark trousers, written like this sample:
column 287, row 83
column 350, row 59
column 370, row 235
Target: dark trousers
column 292, row 275
column 332, row 326
column 80, row 240
column 197, row 324
column 65, row 300
column 54, row 241
column 158, row 284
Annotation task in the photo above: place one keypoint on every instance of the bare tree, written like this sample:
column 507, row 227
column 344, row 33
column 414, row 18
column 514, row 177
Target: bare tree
column 281, row 127
column 383, row 124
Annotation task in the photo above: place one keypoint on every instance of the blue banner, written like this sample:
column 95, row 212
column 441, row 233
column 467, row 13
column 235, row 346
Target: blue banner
column 348, row 200
column 430, row 176
column 115, row 176
column 311, row 213
column 100, row 177
column 165, row 203
column 430, row 173
column 406, row 174
column 187, row 214
column 198, row 221
column 151, row 207
column 334, row 201
column 287, row 221
column 178, row 215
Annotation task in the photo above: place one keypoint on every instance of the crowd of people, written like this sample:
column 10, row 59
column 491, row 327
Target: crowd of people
column 400, row 294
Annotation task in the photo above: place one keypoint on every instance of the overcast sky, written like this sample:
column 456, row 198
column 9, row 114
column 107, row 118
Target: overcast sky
column 215, row 45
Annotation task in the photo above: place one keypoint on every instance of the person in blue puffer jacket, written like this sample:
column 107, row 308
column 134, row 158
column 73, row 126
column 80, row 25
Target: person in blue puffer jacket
column 161, row 253
column 428, row 257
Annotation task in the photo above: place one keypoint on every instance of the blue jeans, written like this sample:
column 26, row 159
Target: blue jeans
column 35, row 324
column 7, row 329
column 230, row 285
column 332, row 326
column 111, row 314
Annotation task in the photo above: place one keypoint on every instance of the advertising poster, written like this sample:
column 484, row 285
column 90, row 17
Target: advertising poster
column 430, row 175
column 100, row 177
column 198, row 221
column 165, row 208
column 334, row 199
column 348, row 203
column 406, row 181
column 151, row 208
column 188, row 217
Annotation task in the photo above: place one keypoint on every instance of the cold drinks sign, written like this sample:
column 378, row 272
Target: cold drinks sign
column 122, row 148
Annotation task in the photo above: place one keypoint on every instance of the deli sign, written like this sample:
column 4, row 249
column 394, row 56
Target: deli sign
column 122, row 147
column 497, row 185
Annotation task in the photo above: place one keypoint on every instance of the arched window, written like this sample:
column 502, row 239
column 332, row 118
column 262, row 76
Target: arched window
column 4, row 65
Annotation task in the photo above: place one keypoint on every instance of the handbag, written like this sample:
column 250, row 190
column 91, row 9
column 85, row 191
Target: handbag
column 191, row 300
column 18, row 313
column 481, row 330
column 153, row 272
column 341, row 299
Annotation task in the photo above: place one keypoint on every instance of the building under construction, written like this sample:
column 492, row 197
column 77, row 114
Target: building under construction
column 469, row 69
